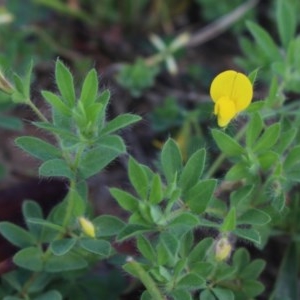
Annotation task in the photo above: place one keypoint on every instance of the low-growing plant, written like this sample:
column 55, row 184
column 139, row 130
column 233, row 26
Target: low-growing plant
column 192, row 217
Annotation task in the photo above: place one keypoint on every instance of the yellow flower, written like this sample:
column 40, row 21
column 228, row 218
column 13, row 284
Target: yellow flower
column 232, row 92
column 223, row 249
column 87, row 227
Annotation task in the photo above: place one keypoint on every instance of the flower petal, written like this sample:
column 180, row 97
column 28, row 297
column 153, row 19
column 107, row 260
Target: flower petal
column 233, row 85
column 225, row 110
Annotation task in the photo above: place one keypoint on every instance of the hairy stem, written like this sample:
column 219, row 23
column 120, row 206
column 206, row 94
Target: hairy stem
column 146, row 280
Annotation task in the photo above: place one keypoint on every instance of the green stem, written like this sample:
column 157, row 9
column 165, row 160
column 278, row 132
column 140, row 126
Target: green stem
column 28, row 283
column 78, row 156
column 37, row 111
column 47, row 253
column 146, row 280
column 70, row 203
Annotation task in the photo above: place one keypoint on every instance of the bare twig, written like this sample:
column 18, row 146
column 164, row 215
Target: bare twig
column 214, row 29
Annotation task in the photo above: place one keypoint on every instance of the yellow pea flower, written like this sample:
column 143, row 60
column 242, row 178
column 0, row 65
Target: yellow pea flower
column 232, row 92
column 87, row 227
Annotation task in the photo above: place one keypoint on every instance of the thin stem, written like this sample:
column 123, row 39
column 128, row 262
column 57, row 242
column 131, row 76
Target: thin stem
column 37, row 111
column 28, row 283
column 146, row 280
column 78, row 156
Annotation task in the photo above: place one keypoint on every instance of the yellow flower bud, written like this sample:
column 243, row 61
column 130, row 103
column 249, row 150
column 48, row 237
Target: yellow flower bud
column 232, row 92
column 87, row 227
column 223, row 249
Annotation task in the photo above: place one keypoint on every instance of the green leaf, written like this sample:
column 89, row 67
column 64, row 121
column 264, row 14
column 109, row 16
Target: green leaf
column 89, row 88
column 227, row 144
column 181, row 294
column 107, row 225
column 254, row 128
column 253, row 76
column 138, row 178
column 50, row 295
column 278, row 201
column 207, row 295
column 32, row 209
column 46, row 224
column 171, row 160
column 286, row 139
column 19, row 85
column 199, row 252
column 64, row 81
column 229, row 223
column 27, row 80
column 224, row 272
column 103, row 98
column 184, row 219
column 203, row 269
column 223, row 294
column 10, row 123
column 293, row 174
column 207, row 223
column 268, row 138
column 268, row 159
column 63, row 133
column 240, row 196
column 240, row 259
column 292, row 159
column 254, row 216
column 255, row 107
column 55, row 168
column 238, row 171
column 170, row 243
column 264, row 41
column 193, row 170
column 156, row 190
column 145, row 248
column 253, row 270
column 63, row 246
column 68, row 262
column 253, row 288
column 272, row 98
column 99, row 247
column 30, row 258
column 199, row 196
column 287, row 285
column 12, row 278
column 180, row 265
column 79, row 205
column 56, row 103
column 99, row 157
column 120, row 122
column 131, row 230
column 146, row 296
column 38, row 148
column 16, row 235
column 251, row 234
column 137, row 76
column 92, row 117
column 286, row 17
column 125, row 200
column 22, row 85
column 190, row 282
